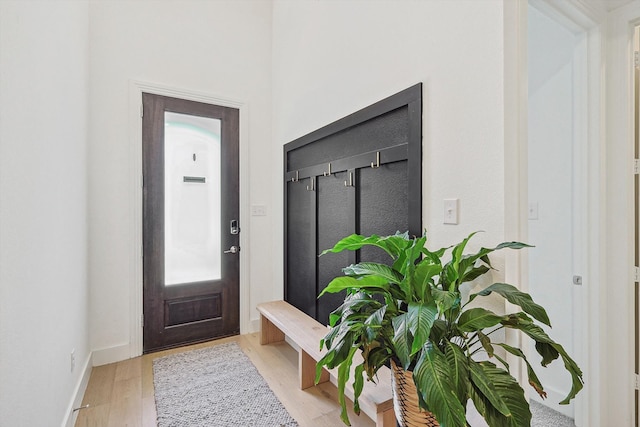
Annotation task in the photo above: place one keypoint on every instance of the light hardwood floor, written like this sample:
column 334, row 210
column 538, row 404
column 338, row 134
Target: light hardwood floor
column 121, row 394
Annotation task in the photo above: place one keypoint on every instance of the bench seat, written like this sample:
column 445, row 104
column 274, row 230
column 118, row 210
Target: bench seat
column 280, row 319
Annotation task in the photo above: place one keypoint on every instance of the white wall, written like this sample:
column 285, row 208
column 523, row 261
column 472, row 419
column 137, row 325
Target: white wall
column 221, row 48
column 550, row 149
column 43, row 197
column 333, row 58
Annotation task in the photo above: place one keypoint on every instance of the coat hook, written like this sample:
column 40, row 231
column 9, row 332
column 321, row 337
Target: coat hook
column 350, row 183
column 312, row 186
column 328, row 172
column 296, row 179
column 377, row 163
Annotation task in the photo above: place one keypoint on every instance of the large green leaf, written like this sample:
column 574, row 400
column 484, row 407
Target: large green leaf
column 459, row 369
column 402, row 339
column 445, row 299
column 477, row 319
column 485, row 341
column 343, row 376
column 433, row 378
column 511, row 394
column 342, row 283
column 424, row 273
column 483, row 252
column 452, row 270
column 420, row 318
column 548, row 349
column 517, row 297
column 374, row 359
column 374, row 322
column 533, row 378
column 354, row 303
column 392, row 245
column 485, row 386
column 407, row 268
column 438, row 331
column 472, row 273
column 502, row 401
column 373, row 269
column 358, row 384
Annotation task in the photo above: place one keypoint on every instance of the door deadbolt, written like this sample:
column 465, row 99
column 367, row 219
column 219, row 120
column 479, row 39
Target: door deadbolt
column 234, row 229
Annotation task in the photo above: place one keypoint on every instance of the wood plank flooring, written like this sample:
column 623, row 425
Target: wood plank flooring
column 121, row 394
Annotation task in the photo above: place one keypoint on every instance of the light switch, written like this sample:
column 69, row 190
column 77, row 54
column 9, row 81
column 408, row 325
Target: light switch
column 451, row 211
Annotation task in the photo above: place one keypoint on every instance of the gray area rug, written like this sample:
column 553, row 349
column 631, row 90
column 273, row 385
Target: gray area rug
column 547, row 417
column 214, row 387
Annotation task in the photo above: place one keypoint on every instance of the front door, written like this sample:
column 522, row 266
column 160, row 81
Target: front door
column 190, row 222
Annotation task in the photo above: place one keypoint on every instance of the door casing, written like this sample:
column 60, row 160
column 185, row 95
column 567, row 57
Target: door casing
column 572, row 13
column 136, row 88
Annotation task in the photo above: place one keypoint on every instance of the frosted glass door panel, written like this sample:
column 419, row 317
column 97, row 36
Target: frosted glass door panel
column 192, row 198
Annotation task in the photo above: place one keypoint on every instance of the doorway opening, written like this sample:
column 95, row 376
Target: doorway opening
column 557, row 150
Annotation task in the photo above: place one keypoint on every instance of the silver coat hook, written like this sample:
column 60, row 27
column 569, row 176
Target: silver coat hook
column 312, row 186
column 377, row 163
column 297, row 178
column 328, row 171
column 350, row 182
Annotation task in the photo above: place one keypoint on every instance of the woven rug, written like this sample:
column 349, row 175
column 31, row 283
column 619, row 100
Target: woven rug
column 214, row 387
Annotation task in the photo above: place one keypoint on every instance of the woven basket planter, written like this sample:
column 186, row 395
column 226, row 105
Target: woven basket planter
column 405, row 400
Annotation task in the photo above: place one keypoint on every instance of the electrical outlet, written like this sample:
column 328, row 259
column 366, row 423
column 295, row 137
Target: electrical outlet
column 258, row 210
column 533, row 210
column 73, row 359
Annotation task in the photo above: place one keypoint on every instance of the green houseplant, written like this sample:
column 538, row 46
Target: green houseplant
column 411, row 312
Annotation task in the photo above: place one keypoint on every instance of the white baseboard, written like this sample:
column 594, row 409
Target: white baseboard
column 78, row 393
column 108, row 355
column 254, row 325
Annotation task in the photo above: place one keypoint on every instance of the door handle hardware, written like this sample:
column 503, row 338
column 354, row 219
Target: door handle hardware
column 234, row 229
column 233, row 250
column 377, row 163
column 350, row 182
column 311, row 187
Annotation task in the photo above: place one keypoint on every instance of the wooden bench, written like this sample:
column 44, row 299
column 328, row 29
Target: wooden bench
column 280, row 319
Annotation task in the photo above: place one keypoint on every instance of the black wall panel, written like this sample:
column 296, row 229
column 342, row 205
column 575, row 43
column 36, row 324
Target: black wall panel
column 301, row 251
column 383, row 205
column 335, row 220
column 361, row 174
column 386, row 130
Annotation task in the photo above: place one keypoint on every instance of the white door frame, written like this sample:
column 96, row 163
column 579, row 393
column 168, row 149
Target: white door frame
column 574, row 15
column 136, row 88
column 620, row 217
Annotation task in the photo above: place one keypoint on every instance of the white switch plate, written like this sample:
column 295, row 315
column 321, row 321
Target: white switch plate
column 451, row 211
column 533, row 210
column 258, row 210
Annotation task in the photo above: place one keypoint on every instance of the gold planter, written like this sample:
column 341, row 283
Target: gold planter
column 405, row 400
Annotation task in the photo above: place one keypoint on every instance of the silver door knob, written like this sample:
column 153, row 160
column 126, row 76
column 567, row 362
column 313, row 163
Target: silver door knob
column 233, row 250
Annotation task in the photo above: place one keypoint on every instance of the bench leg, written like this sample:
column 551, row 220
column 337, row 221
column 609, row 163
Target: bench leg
column 307, row 371
column 386, row 418
column 268, row 332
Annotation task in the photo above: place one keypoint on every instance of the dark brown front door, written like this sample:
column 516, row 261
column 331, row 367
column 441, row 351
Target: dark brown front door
column 190, row 215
